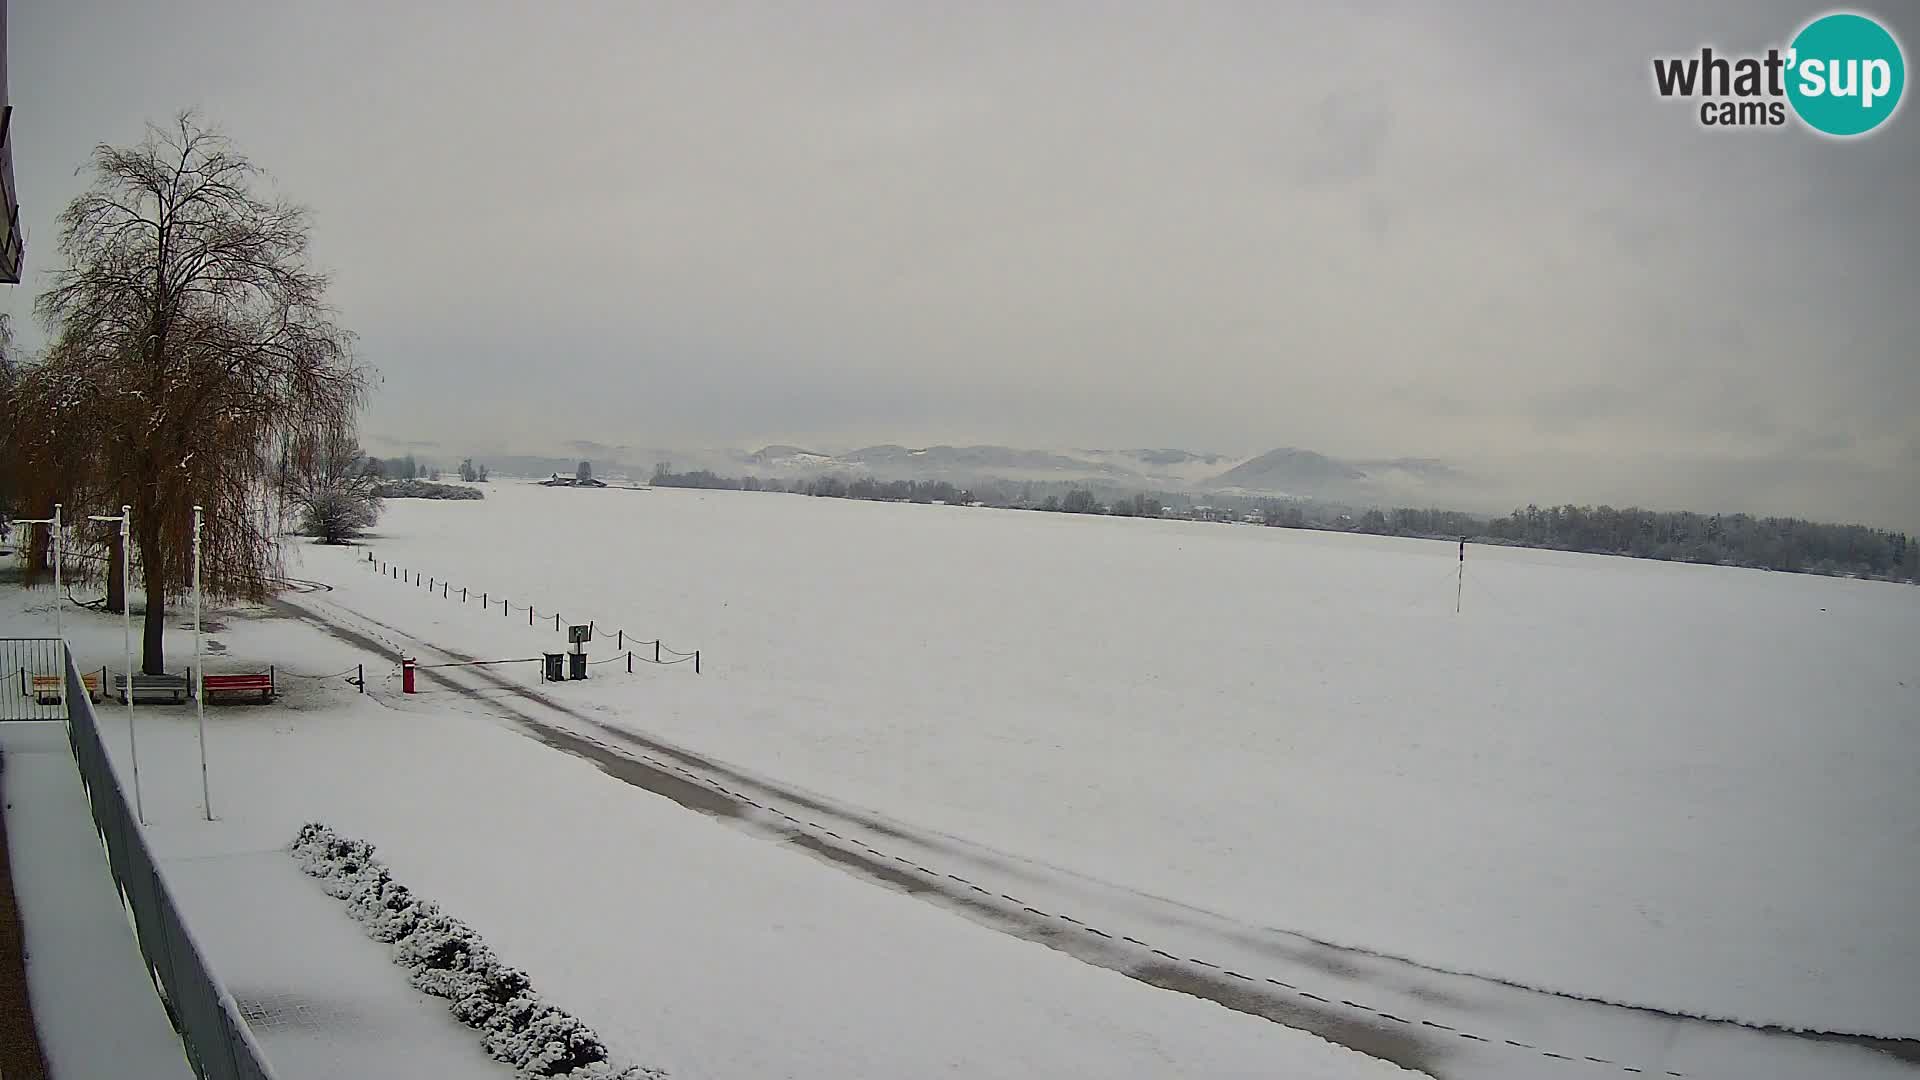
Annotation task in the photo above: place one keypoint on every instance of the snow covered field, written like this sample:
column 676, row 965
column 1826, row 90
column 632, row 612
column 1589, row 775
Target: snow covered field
column 687, row 944
column 1684, row 787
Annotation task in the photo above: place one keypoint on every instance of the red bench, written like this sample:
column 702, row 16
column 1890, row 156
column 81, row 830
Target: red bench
column 254, row 683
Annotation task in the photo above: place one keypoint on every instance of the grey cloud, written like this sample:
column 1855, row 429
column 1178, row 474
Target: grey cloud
column 1464, row 231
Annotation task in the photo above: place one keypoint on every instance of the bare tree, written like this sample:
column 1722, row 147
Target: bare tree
column 188, row 304
column 334, row 491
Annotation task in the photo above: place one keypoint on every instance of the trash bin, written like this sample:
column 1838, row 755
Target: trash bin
column 576, row 665
column 554, row 672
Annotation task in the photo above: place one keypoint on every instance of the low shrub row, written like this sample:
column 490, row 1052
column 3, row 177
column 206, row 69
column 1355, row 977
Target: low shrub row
column 446, row 958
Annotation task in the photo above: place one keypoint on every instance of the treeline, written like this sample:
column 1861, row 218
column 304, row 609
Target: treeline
column 826, row 487
column 401, row 468
column 409, row 468
column 1789, row 544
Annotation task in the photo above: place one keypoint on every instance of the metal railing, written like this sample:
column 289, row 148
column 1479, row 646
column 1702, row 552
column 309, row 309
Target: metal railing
column 219, row 1044
column 32, row 679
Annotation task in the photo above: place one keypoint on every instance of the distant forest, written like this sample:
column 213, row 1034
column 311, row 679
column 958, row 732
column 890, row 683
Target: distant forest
column 1772, row 543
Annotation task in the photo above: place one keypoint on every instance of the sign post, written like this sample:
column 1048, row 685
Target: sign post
column 578, row 636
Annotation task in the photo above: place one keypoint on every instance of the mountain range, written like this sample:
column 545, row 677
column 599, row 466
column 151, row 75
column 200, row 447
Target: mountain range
column 1287, row 471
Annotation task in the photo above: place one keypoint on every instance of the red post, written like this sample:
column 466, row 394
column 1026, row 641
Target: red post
column 406, row 674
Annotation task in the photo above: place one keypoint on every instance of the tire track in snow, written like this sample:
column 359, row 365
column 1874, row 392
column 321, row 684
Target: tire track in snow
column 1375, row 1032
column 672, row 780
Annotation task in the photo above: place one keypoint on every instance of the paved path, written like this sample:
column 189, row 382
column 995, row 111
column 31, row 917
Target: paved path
column 323, row 999
column 20, row 1053
column 1443, row 1024
column 93, row 1000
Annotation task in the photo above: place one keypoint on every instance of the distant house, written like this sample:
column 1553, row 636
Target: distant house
column 556, row 480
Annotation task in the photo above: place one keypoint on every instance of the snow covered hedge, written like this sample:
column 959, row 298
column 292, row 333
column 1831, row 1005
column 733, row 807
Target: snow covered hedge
column 447, row 959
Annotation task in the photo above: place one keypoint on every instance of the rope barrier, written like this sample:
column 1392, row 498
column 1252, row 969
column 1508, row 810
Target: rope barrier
column 477, row 663
column 621, row 637
column 297, row 675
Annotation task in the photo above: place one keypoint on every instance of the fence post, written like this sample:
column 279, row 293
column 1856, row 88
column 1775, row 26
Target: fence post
column 656, row 650
column 443, row 590
column 556, row 620
column 463, row 594
column 629, row 661
column 362, row 668
column 696, row 661
column 620, row 642
column 529, row 614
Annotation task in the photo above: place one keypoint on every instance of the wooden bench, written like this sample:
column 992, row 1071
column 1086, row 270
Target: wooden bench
column 246, row 683
column 173, row 688
column 48, row 689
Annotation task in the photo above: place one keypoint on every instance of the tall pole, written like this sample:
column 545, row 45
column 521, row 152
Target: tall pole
column 199, row 675
column 125, row 518
column 1460, row 580
column 59, row 622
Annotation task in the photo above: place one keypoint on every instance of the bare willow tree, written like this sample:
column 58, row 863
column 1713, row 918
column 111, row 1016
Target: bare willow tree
column 188, row 301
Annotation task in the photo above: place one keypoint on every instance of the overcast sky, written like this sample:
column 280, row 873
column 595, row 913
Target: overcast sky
column 1466, row 230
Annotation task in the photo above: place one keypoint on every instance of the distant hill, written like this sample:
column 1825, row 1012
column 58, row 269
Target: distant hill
column 1284, row 471
column 1290, row 471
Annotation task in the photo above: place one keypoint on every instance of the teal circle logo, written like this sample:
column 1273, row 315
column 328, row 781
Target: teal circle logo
column 1845, row 74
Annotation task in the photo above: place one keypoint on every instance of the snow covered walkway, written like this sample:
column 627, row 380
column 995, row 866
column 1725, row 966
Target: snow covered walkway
column 322, row 999
column 94, row 1002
